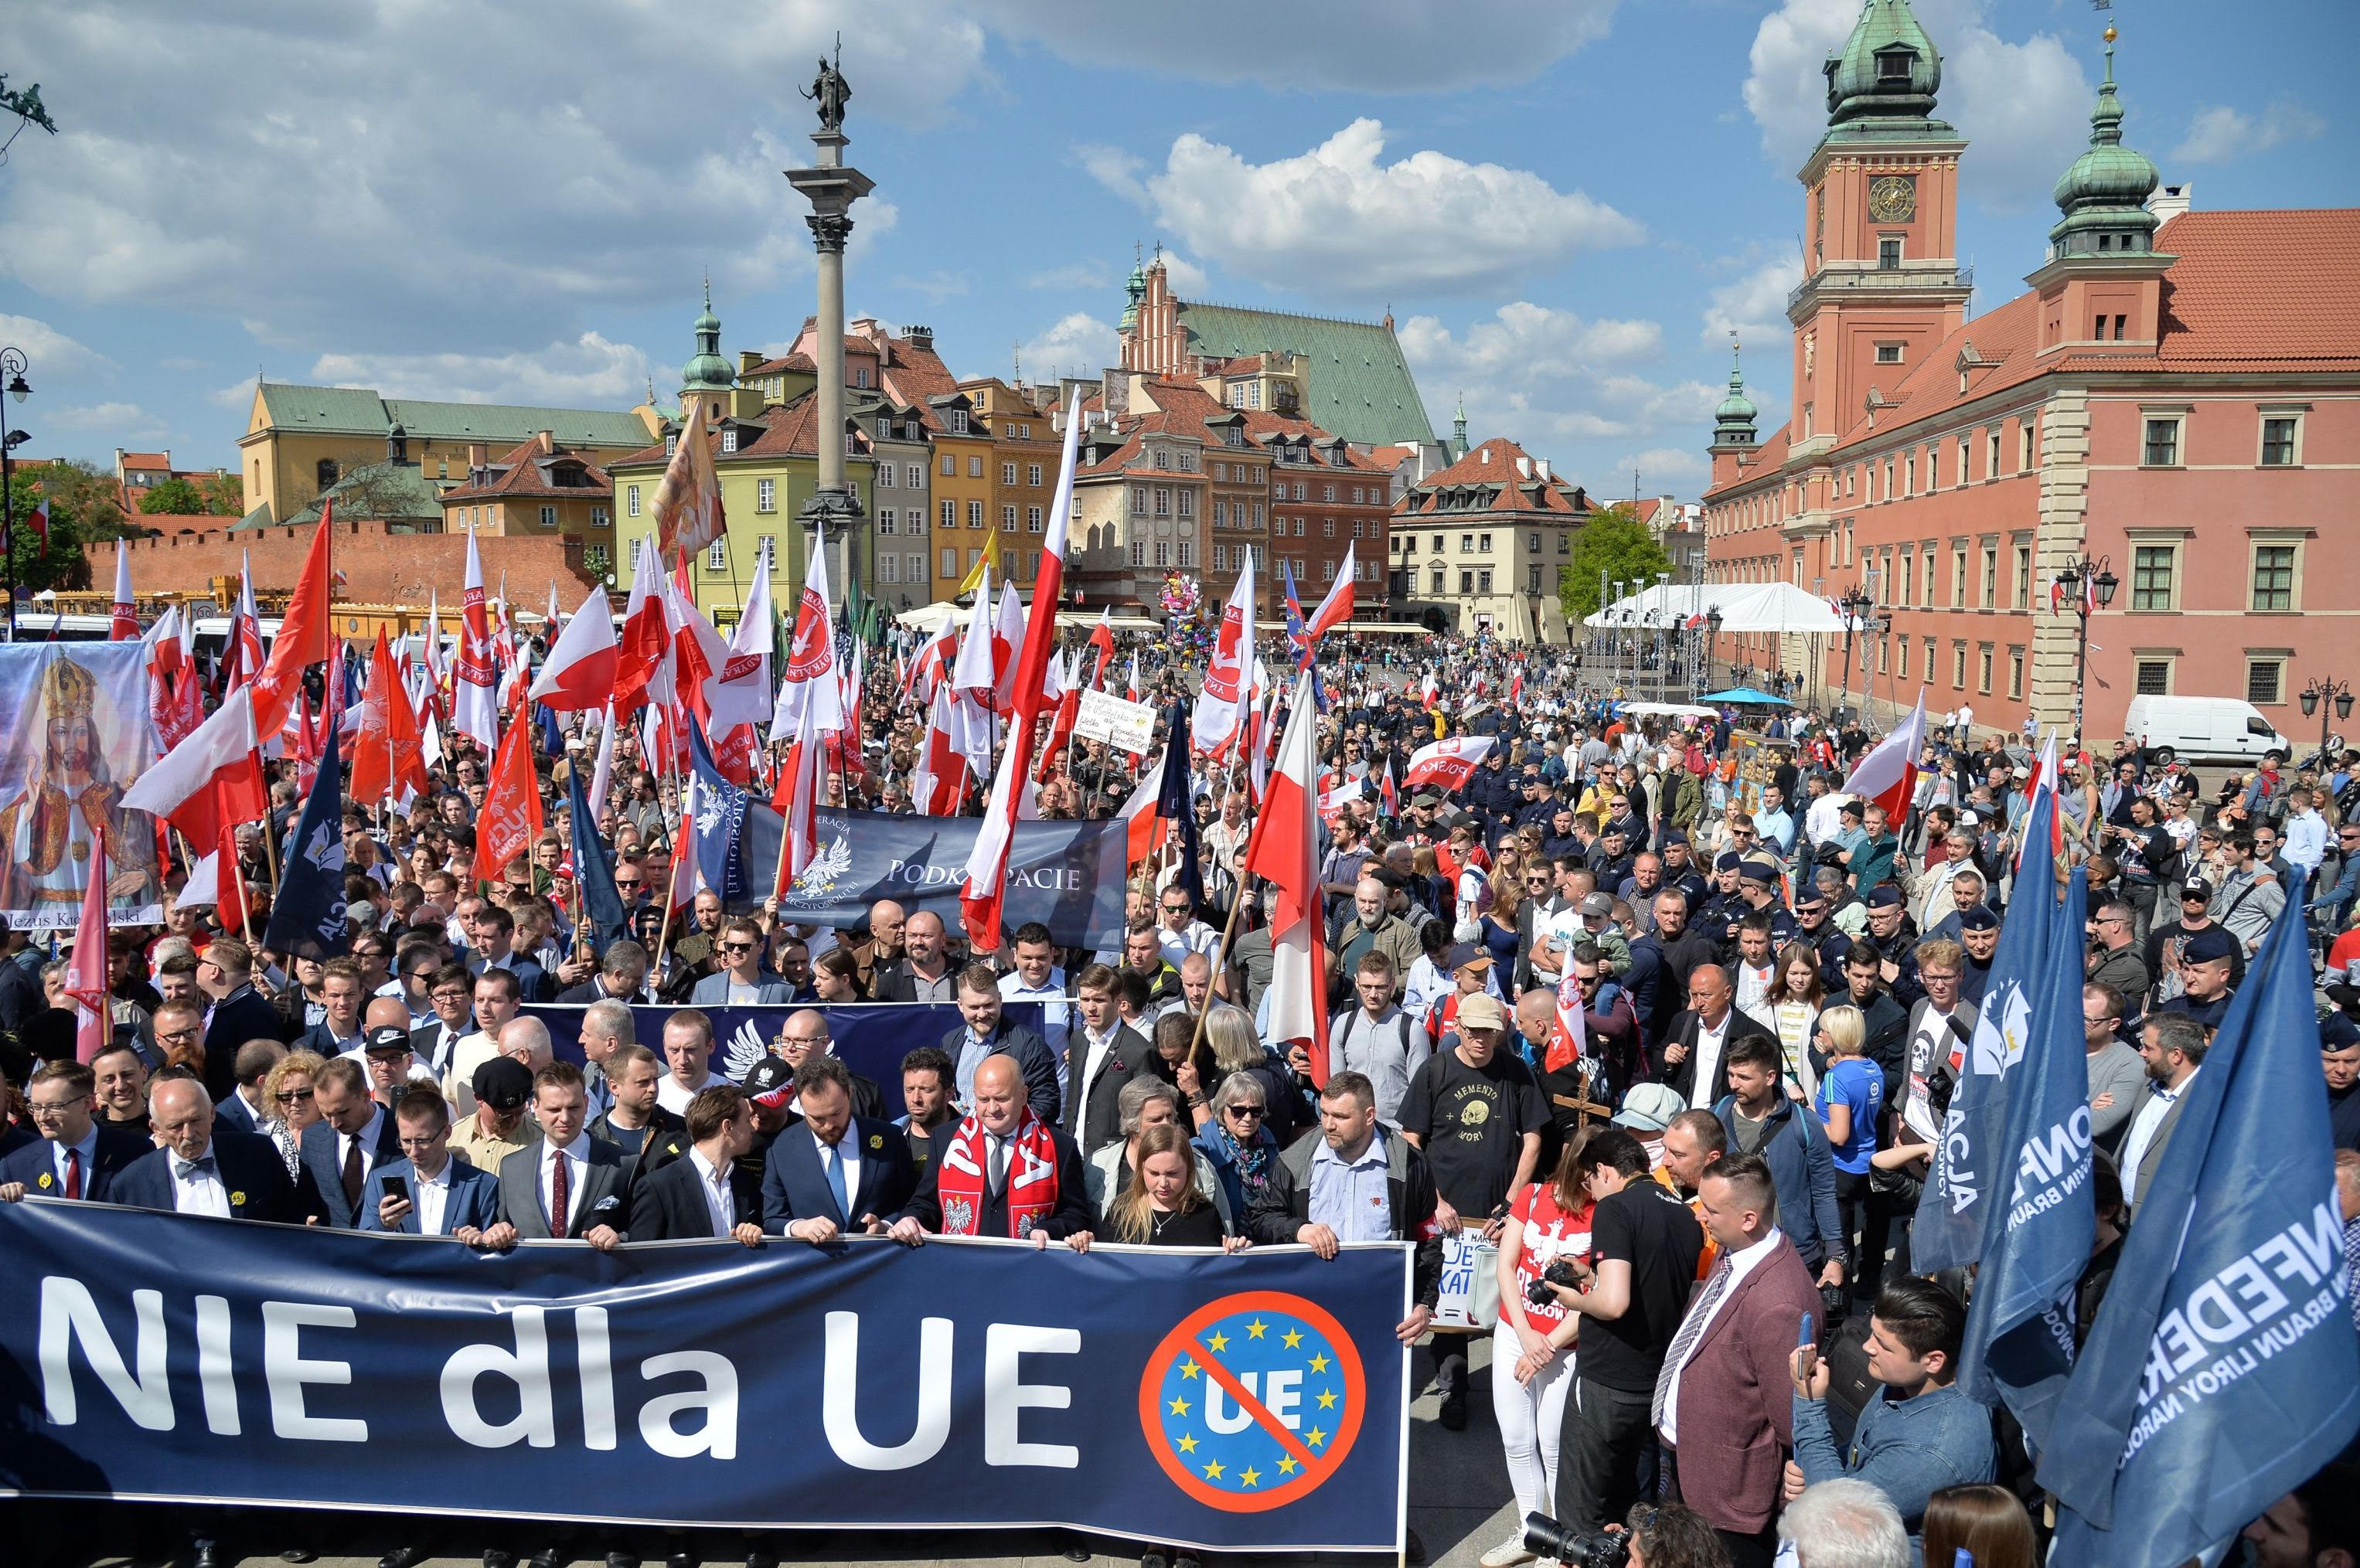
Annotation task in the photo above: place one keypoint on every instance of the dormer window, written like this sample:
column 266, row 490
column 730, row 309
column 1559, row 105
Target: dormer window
column 1893, row 64
column 729, row 441
column 958, row 421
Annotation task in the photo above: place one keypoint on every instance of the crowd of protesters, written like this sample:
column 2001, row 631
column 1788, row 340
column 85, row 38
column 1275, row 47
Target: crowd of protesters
column 1778, row 982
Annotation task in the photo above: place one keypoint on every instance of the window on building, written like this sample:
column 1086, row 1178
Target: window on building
column 2263, row 680
column 889, row 521
column 1033, row 520
column 1139, row 553
column 716, row 555
column 2161, row 449
column 888, row 569
column 2152, row 567
column 914, row 476
column 766, row 495
column 973, row 556
column 1163, row 553
column 1162, row 500
column 597, row 558
column 1187, row 503
column 1901, row 658
column 950, row 466
column 974, row 514
column 1008, row 518
column 2023, row 599
column 2028, row 445
column 958, row 421
column 1565, row 544
column 598, row 518
column 1467, row 582
column 2152, row 677
column 1327, row 571
column 950, row 514
column 1959, row 666
column 946, row 562
column 768, row 551
column 548, row 516
column 1966, row 456
column 1438, row 545
column 1990, row 576
column 630, row 500
column 975, row 467
column 1889, row 257
column 1531, row 579
column 2273, row 577
column 1327, row 527
column 1888, row 353
column 729, row 441
column 1437, row 588
column 1484, row 544
column 2279, row 441
column 1984, row 668
column 1139, row 500
column 1008, row 473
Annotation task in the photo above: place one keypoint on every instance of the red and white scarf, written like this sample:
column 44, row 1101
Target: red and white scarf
column 1031, row 1177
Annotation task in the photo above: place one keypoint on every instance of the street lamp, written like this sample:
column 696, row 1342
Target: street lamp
column 13, row 364
column 1855, row 605
column 1712, row 619
column 2090, row 585
column 2323, row 692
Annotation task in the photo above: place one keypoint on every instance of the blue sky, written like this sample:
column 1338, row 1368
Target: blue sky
column 1565, row 203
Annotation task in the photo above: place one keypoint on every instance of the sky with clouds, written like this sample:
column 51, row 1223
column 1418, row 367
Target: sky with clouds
column 1567, row 205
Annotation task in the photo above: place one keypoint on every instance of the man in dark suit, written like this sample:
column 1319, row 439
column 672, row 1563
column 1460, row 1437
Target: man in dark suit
column 354, row 1135
column 1724, row 1402
column 428, row 1192
column 987, row 1034
column 451, row 992
column 1696, row 1049
column 229, row 1175
column 224, row 972
column 242, row 1109
column 569, row 1185
column 707, row 1193
column 834, row 1171
column 1101, row 1055
column 622, row 976
column 1661, row 965
column 342, row 994
column 1003, row 1172
column 74, row 1157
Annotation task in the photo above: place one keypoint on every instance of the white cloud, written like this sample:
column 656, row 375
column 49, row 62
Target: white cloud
column 2022, row 105
column 395, row 218
column 1114, row 168
column 239, row 394
column 124, row 419
column 588, row 372
column 1755, row 306
column 1360, row 46
column 1076, row 344
column 1187, row 279
column 1660, row 467
column 2219, row 133
column 1072, row 275
column 51, row 356
column 1358, row 227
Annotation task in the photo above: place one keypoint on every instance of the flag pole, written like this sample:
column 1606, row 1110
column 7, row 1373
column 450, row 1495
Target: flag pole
column 1229, row 932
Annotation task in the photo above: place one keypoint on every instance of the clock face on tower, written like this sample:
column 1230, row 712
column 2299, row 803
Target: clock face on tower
column 1892, row 198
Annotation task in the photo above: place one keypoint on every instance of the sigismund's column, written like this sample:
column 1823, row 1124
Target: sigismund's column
column 831, row 188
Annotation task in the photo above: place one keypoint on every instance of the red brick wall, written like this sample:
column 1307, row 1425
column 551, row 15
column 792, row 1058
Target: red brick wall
column 379, row 568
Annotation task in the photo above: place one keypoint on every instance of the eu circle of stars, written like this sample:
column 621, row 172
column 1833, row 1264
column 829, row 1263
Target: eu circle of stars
column 1282, row 1363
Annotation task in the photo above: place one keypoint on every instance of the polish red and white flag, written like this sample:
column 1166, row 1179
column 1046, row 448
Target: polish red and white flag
column 1227, row 695
column 579, row 672
column 1283, row 852
column 1448, row 764
column 1888, row 774
column 474, row 709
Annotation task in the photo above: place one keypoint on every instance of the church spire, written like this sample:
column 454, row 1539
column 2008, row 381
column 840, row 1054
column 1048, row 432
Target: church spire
column 707, row 372
column 1734, row 421
column 2104, row 195
column 1458, row 430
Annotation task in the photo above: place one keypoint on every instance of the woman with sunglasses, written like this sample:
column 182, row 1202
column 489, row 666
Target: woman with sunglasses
column 287, row 1099
column 1236, row 1142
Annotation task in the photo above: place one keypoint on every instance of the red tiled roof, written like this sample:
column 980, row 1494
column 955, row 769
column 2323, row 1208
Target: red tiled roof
column 1388, row 458
column 787, row 430
column 144, row 460
column 1493, row 464
column 791, row 361
column 519, row 473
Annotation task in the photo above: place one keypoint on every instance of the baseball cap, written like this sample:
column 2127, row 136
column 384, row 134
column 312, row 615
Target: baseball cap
column 1884, row 895
column 2197, row 890
column 1479, row 1011
column 503, row 1083
column 1978, row 917
column 387, row 1036
column 2210, row 946
column 769, row 1080
column 1597, row 904
column 1467, row 952
column 1650, row 1107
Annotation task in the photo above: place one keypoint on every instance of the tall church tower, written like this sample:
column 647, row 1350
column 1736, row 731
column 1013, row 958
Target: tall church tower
column 1883, row 286
column 706, row 377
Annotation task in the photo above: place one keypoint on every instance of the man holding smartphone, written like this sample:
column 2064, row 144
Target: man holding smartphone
column 428, row 1191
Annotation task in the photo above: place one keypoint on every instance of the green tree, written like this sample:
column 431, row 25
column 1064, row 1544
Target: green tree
column 1615, row 542
column 83, row 509
column 177, row 497
column 223, row 494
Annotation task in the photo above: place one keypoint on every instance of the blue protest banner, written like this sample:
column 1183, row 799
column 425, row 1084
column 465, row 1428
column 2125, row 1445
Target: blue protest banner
column 870, row 1038
column 1253, row 1403
column 1067, row 875
column 1971, row 1161
column 719, row 825
column 2222, row 1369
column 594, row 868
column 307, row 918
column 2019, row 1340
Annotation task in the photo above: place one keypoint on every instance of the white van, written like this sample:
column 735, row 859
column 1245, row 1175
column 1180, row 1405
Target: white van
column 2202, row 729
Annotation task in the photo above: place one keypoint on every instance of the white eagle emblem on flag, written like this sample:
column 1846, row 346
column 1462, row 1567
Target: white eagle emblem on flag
column 745, row 1048
column 818, row 879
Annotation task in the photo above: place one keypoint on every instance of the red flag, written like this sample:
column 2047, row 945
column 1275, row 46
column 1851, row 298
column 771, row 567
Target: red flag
column 581, row 669
column 939, row 783
column 1283, row 852
column 303, row 634
column 511, row 818
column 646, row 634
column 801, row 783
column 1888, row 774
column 386, row 757
column 86, row 970
column 1448, row 764
column 1102, row 639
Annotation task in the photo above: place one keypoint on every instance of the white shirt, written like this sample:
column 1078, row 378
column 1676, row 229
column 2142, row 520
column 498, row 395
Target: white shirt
column 1198, row 938
column 578, row 1151
column 1754, row 984
column 1095, row 1059
column 1709, row 1042
column 673, row 1095
column 198, row 1191
column 713, row 1181
column 431, row 1196
column 2144, row 1125
column 1740, row 1264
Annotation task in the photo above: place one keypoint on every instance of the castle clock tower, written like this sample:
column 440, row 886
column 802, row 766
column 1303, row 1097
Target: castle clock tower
column 1884, row 287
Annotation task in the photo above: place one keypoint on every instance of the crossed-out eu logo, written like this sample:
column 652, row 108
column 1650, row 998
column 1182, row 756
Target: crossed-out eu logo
column 1252, row 1401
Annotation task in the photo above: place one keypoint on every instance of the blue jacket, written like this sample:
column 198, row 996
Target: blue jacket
column 713, row 991
column 319, row 1147
column 35, row 1165
column 1803, row 1173
column 475, row 1199
column 1907, row 1449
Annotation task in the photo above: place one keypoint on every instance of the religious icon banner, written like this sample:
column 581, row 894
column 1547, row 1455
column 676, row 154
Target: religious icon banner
column 75, row 733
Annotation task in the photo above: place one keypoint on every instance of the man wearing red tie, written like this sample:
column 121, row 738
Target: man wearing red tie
column 75, row 1157
column 567, row 1186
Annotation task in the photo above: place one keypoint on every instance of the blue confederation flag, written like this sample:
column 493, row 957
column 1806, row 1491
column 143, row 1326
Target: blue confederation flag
column 719, row 824
column 2019, row 1343
column 593, row 869
column 1970, row 1162
column 2223, row 1368
column 1175, row 804
column 307, row 916
column 1298, row 637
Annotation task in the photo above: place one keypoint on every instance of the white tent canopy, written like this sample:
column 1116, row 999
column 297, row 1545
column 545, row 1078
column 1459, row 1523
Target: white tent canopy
column 1744, row 606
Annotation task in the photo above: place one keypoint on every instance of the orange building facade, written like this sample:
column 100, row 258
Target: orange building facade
column 2172, row 406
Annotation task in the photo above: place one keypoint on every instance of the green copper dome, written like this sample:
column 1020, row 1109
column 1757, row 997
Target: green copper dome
column 1732, row 422
column 1887, row 69
column 1137, row 288
column 2104, row 195
column 706, row 371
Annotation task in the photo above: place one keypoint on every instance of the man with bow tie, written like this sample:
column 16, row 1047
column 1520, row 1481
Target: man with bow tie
column 199, row 1171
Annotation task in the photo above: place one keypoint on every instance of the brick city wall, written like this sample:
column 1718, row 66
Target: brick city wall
column 379, row 567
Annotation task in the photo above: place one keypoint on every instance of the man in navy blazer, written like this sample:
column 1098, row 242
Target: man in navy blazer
column 74, row 1157
column 708, row 1193
column 353, row 1137
column 740, row 979
column 230, row 1175
column 239, row 1013
column 241, row 1110
column 429, row 1192
column 833, row 1173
